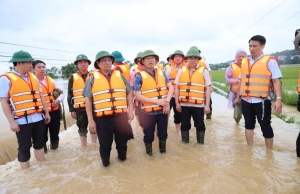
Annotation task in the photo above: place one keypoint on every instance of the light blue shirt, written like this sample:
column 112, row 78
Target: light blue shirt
column 276, row 74
column 5, row 85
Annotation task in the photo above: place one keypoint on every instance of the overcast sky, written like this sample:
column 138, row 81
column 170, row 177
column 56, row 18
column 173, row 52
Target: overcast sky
column 219, row 28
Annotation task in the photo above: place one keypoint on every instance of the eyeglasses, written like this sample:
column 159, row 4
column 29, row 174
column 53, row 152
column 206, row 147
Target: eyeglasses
column 193, row 58
column 149, row 58
column 105, row 60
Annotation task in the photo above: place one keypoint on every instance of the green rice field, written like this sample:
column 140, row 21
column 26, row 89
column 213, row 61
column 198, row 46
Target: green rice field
column 289, row 82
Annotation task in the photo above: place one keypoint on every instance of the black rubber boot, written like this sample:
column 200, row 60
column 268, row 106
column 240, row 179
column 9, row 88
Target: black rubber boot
column 54, row 144
column 105, row 160
column 45, row 148
column 148, row 148
column 298, row 145
column 185, row 136
column 162, row 146
column 200, row 137
column 208, row 115
column 122, row 155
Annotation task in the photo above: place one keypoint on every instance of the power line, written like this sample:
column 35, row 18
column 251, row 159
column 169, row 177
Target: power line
column 40, row 48
column 283, row 22
column 249, row 27
column 40, row 56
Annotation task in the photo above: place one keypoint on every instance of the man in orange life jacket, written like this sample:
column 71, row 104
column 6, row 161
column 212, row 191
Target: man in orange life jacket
column 48, row 87
column 151, row 88
column 137, row 68
column 125, row 70
column 109, row 107
column 76, row 101
column 192, row 96
column 178, row 59
column 23, row 105
column 260, row 77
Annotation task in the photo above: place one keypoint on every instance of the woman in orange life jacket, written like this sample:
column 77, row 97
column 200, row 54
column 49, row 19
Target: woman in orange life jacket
column 108, row 99
column 150, row 87
column 260, row 78
column 177, row 59
column 23, row 105
column 232, row 74
column 76, row 101
column 48, row 87
column 298, row 108
column 137, row 68
column 125, row 70
column 192, row 95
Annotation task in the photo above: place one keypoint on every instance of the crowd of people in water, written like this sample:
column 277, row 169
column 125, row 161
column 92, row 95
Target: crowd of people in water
column 106, row 100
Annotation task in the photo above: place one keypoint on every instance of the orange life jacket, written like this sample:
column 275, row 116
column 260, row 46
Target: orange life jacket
column 47, row 92
column 78, row 85
column 109, row 96
column 201, row 63
column 153, row 88
column 256, row 80
column 298, row 83
column 161, row 66
column 24, row 96
column 138, row 68
column 125, row 70
column 236, row 71
column 168, row 67
column 192, row 87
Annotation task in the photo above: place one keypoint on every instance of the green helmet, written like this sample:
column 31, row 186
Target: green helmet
column 147, row 53
column 177, row 52
column 102, row 54
column 170, row 55
column 139, row 55
column 81, row 57
column 193, row 53
column 21, row 56
column 194, row 47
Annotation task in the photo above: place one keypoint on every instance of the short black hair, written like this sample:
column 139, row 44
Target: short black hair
column 36, row 62
column 261, row 39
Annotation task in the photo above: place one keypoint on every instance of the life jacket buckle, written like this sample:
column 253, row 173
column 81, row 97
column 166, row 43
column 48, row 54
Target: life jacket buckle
column 51, row 101
column 34, row 100
column 159, row 89
column 187, row 97
column 36, row 107
column 248, row 76
column 247, row 91
column 159, row 97
column 49, row 94
column 113, row 108
column 112, row 99
column 32, row 92
column 189, row 83
column 111, row 90
column 247, row 83
column 187, row 90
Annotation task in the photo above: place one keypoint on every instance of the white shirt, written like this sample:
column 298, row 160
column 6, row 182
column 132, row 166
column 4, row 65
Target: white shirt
column 275, row 74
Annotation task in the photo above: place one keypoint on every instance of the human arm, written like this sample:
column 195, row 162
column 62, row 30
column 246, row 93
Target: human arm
column 8, row 114
column 176, row 93
column 61, row 97
column 229, row 76
column 208, row 91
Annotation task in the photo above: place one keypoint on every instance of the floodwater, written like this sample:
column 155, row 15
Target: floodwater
column 225, row 164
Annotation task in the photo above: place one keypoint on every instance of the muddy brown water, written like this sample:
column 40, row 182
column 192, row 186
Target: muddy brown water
column 225, row 164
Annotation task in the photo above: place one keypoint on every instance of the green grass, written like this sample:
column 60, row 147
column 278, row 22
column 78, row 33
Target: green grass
column 289, row 82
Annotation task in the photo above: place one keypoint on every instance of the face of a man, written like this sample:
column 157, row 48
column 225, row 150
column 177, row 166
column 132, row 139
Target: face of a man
column 26, row 66
column 82, row 65
column 105, row 64
column 138, row 61
column 255, row 48
column 40, row 69
column 149, row 62
column 192, row 61
column 178, row 59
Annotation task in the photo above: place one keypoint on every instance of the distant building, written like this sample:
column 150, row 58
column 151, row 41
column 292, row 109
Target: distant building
column 282, row 57
column 293, row 56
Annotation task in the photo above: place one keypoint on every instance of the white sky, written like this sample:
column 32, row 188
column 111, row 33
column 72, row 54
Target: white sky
column 89, row 26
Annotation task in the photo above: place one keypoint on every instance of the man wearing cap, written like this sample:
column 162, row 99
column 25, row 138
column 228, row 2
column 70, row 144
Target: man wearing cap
column 108, row 99
column 49, row 86
column 154, row 91
column 168, row 66
column 137, row 68
column 192, row 95
column 125, row 70
column 178, row 59
column 202, row 63
column 23, row 106
column 75, row 99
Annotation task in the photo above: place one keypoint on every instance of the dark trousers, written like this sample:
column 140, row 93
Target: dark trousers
column 138, row 112
column 176, row 113
column 31, row 133
column 149, row 123
column 53, row 126
column 82, row 122
column 198, row 117
column 252, row 110
column 110, row 127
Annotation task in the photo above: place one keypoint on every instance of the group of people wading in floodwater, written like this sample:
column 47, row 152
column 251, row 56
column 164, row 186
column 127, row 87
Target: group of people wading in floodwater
column 104, row 101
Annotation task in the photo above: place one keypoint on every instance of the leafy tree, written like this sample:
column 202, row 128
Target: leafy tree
column 68, row 70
